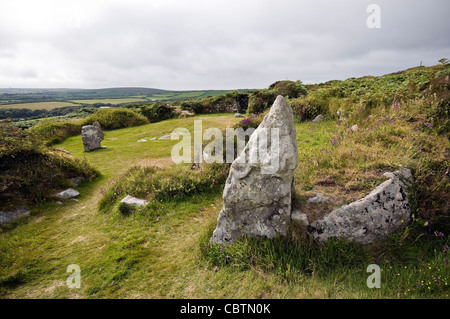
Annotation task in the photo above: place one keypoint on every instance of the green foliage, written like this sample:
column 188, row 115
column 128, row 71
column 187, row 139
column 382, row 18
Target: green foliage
column 289, row 89
column 444, row 61
column 307, row 108
column 32, row 172
column 261, row 100
column 158, row 111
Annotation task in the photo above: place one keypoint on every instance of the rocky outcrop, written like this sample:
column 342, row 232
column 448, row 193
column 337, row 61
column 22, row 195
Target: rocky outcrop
column 258, row 190
column 92, row 136
column 384, row 211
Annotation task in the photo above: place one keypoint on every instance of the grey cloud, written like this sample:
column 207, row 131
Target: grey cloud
column 235, row 44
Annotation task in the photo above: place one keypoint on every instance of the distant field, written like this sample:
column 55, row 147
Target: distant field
column 171, row 96
column 37, row 105
column 111, row 101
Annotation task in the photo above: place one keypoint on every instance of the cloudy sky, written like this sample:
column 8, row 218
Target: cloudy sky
column 213, row 44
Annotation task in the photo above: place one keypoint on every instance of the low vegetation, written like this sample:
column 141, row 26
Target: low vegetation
column 56, row 131
column 39, row 173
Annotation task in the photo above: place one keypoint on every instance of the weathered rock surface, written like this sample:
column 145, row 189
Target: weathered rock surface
column 76, row 180
column 239, row 115
column 133, row 201
column 92, row 136
column 384, row 211
column 299, row 217
column 9, row 216
column 318, row 118
column 257, row 199
column 68, row 193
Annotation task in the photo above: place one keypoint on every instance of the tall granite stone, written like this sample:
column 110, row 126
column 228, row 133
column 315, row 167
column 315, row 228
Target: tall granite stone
column 92, row 136
column 258, row 191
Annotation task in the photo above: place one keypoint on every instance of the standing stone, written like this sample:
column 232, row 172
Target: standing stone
column 92, row 136
column 257, row 200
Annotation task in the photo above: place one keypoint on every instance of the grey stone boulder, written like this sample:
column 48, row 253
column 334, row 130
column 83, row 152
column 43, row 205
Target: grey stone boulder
column 92, row 136
column 185, row 114
column 7, row 217
column 257, row 198
column 133, row 201
column 68, row 193
column 239, row 115
column 384, row 211
column 76, row 180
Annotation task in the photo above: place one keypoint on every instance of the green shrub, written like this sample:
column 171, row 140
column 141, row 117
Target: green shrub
column 289, row 89
column 261, row 100
column 53, row 132
column 56, row 131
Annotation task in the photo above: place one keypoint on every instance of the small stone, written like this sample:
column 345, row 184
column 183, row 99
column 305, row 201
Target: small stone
column 61, row 150
column 142, row 140
column 165, row 137
column 318, row 118
column 9, row 216
column 239, row 115
column 319, row 198
column 133, row 201
column 68, row 193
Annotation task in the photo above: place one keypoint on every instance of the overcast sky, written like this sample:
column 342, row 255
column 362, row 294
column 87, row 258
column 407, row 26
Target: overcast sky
column 213, row 44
